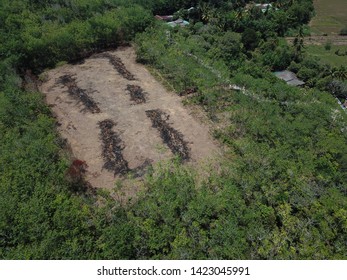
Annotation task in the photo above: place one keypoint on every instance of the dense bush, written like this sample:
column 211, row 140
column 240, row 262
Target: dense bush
column 338, row 89
column 343, row 31
column 286, row 162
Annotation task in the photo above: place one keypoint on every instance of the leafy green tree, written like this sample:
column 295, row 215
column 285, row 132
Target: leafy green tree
column 250, row 39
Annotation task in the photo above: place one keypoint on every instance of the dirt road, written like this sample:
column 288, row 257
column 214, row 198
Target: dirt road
column 119, row 119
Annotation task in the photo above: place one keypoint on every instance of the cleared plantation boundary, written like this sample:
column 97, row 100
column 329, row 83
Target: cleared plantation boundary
column 131, row 132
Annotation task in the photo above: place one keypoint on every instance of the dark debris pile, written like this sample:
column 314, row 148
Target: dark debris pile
column 136, row 94
column 171, row 137
column 188, row 91
column 112, row 149
column 79, row 94
column 118, row 65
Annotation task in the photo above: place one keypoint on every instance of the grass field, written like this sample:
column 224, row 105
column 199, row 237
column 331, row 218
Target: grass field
column 328, row 56
column 331, row 16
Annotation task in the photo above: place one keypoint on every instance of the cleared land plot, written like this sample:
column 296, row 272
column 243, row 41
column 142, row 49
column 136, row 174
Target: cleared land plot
column 330, row 17
column 121, row 136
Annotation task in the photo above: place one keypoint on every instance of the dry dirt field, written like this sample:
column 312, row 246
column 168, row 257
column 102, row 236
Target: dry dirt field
column 118, row 119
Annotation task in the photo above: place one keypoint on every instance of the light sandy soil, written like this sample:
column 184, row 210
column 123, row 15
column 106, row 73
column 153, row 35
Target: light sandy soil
column 107, row 88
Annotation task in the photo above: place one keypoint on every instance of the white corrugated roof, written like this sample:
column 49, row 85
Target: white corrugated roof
column 289, row 77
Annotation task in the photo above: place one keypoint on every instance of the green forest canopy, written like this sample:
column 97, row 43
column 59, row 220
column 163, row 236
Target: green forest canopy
column 280, row 193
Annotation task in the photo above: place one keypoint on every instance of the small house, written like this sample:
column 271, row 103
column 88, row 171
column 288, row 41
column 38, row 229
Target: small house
column 164, row 18
column 179, row 22
column 173, row 23
column 289, row 77
column 264, row 7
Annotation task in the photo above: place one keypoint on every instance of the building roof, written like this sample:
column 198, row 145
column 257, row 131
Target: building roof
column 289, row 77
column 164, row 18
column 264, row 7
column 179, row 22
column 168, row 19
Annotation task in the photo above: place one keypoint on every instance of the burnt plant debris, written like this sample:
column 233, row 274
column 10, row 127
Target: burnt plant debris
column 112, row 152
column 112, row 148
column 136, row 94
column 79, row 94
column 171, row 137
column 117, row 64
column 76, row 176
column 188, row 91
column 142, row 169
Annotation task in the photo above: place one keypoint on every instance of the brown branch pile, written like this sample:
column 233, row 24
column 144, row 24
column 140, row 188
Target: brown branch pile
column 141, row 169
column 112, row 149
column 188, row 90
column 171, row 137
column 79, row 94
column 117, row 64
column 136, row 94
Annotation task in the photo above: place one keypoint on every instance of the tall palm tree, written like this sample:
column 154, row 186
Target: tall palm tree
column 298, row 44
column 279, row 4
column 340, row 73
column 206, row 11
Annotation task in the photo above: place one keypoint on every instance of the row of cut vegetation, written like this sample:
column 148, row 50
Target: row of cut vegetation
column 117, row 65
column 79, row 94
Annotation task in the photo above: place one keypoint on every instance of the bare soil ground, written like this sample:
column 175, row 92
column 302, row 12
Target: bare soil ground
column 121, row 136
